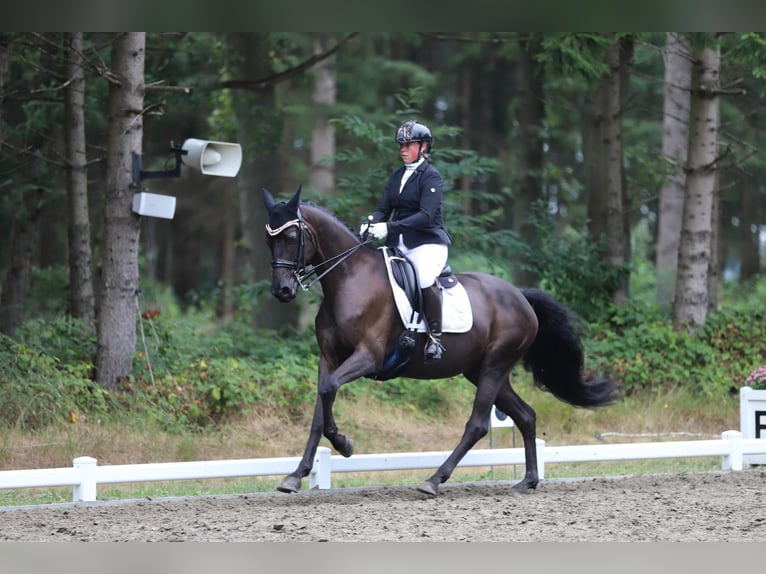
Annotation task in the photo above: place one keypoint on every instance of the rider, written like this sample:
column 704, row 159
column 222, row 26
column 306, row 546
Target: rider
column 413, row 195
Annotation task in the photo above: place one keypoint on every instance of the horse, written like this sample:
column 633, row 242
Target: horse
column 357, row 327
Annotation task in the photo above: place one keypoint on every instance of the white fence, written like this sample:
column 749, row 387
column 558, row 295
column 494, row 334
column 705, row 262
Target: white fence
column 85, row 475
column 735, row 449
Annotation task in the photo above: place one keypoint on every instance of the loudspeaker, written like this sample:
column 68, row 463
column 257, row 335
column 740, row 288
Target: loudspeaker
column 154, row 205
column 212, row 158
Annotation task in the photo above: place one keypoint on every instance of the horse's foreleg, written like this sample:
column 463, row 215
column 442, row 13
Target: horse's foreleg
column 292, row 482
column 340, row 442
column 323, row 421
column 525, row 419
column 476, row 427
column 357, row 365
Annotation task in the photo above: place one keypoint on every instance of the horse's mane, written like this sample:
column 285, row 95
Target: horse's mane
column 327, row 212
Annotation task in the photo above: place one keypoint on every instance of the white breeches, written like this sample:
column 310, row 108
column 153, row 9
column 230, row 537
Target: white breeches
column 429, row 260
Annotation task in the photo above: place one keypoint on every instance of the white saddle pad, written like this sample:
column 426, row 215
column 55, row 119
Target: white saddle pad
column 457, row 316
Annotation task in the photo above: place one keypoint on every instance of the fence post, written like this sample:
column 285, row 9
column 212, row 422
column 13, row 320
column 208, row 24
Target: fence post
column 86, row 490
column 540, row 457
column 733, row 460
column 319, row 477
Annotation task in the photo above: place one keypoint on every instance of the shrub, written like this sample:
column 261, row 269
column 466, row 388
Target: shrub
column 638, row 346
column 38, row 389
column 570, row 266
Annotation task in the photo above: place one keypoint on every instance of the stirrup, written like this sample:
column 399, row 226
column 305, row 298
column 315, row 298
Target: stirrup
column 433, row 350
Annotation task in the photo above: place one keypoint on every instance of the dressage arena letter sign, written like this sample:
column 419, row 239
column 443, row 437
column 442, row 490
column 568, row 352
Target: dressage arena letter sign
column 760, row 423
column 752, row 419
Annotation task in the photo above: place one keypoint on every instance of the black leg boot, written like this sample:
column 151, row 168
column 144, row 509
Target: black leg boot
column 432, row 308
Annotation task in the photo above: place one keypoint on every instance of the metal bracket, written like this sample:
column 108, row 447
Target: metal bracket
column 139, row 175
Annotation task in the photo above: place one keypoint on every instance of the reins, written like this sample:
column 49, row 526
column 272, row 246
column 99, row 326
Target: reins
column 300, row 275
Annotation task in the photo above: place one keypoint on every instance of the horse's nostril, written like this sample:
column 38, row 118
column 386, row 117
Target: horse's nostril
column 284, row 293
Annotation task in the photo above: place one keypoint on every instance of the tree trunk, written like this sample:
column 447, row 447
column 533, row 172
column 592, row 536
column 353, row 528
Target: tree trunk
column 615, row 233
column 322, row 177
column 594, row 160
column 629, row 215
column 23, row 236
column 691, row 301
column 465, row 79
column 675, row 142
column 259, row 122
column 18, row 277
column 226, row 257
column 716, row 244
column 748, row 232
column 117, row 317
column 531, row 125
column 80, row 277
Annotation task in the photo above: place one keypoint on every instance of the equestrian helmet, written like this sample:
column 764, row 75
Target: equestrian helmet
column 412, row 131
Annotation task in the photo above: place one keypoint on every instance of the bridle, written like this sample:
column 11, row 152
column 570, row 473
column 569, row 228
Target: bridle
column 301, row 271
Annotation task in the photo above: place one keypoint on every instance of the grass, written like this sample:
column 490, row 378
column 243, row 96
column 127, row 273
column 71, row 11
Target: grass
column 676, row 414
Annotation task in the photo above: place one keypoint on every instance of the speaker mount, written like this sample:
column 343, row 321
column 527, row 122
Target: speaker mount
column 222, row 159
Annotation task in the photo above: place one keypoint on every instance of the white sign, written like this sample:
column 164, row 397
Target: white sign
column 499, row 419
column 752, row 419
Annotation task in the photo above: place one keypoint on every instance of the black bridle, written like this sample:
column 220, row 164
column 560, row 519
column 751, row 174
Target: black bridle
column 300, row 270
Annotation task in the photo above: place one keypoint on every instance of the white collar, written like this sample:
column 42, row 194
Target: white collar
column 412, row 166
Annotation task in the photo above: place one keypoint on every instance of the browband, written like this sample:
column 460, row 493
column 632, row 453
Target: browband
column 281, row 228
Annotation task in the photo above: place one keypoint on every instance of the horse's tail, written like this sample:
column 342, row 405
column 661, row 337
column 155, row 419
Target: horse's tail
column 555, row 358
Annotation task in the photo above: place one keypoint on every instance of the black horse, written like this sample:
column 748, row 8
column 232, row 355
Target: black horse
column 358, row 328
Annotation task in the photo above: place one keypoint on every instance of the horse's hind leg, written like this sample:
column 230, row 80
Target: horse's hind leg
column 487, row 384
column 526, row 420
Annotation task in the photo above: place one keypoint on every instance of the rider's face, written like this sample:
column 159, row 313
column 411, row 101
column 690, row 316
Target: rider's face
column 409, row 152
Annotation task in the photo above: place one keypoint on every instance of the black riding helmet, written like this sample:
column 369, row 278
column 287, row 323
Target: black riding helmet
column 412, row 131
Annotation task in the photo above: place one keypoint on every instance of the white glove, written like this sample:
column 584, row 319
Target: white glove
column 379, row 230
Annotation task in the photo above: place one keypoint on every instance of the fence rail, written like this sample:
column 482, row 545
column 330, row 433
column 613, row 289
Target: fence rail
column 85, row 475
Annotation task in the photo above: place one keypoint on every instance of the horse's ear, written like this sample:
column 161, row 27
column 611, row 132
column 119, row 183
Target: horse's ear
column 268, row 200
column 295, row 200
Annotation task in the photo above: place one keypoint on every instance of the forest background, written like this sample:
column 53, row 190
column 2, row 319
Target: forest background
column 621, row 172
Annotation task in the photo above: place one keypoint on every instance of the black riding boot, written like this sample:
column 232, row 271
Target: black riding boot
column 432, row 308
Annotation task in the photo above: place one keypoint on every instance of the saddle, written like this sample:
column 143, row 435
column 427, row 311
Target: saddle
column 456, row 308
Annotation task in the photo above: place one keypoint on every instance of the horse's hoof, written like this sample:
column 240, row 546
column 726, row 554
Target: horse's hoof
column 522, row 488
column 348, row 448
column 429, row 488
column 290, row 485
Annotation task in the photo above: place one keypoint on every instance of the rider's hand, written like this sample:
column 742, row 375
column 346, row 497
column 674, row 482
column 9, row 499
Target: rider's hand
column 379, row 230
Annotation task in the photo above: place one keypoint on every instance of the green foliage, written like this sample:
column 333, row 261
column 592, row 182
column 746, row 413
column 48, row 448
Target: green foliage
column 371, row 154
column 430, row 397
column 49, row 293
column 638, row 346
column 190, row 374
column 193, row 374
column 182, row 384
column 571, row 53
column 748, row 50
column 44, row 380
column 67, row 340
column 570, row 266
